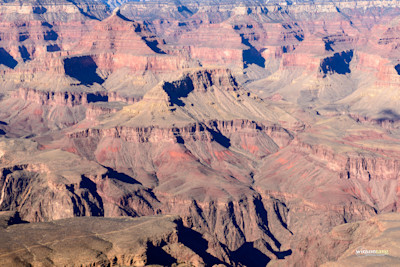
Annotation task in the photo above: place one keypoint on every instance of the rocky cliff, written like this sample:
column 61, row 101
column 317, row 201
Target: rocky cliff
column 102, row 241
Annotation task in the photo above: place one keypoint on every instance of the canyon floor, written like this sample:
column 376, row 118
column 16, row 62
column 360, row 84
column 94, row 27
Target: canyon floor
column 186, row 133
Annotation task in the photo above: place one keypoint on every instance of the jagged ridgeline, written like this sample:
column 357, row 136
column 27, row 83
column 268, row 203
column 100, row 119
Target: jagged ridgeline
column 94, row 9
column 201, row 133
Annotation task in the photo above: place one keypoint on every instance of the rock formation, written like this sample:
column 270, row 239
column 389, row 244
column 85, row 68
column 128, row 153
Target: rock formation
column 121, row 241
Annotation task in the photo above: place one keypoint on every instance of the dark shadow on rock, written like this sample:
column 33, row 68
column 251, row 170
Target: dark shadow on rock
column 113, row 174
column 251, row 55
column 50, row 36
column 178, row 136
column 157, row 256
column 263, row 215
column 24, row 53
column 339, row 63
column 328, row 44
column 184, row 11
column 248, row 255
column 397, row 68
column 83, row 69
column 283, row 254
column 96, row 97
column 82, row 11
column 153, row 45
column 388, row 115
column 279, row 215
column 220, row 138
column 39, row 10
column 299, row 37
column 7, row 60
column 197, row 243
column 17, row 220
column 278, row 254
column 46, row 24
column 118, row 13
column 95, row 210
column 178, row 89
column 179, row 140
column 150, row 41
column 53, row 48
column 23, row 36
column 13, row 217
column 2, row 132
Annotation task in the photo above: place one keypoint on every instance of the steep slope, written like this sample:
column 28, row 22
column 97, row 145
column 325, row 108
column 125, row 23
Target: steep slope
column 64, row 10
column 369, row 242
column 151, row 140
column 168, row 131
column 321, row 55
column 362, row 243
column 53, row 184
column 245, row 163
column 100, row 241
column 54, row 69
column 67, row 50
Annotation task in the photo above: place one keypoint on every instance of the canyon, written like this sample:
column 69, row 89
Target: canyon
column 186, row 133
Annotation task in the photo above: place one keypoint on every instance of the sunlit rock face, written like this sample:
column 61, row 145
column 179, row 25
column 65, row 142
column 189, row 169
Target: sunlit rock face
column 237, row 133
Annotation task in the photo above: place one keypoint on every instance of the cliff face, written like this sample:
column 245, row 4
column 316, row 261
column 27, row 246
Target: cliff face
column 246, row 206
column 55, row 44
column 251, row 169
column 358, row 243
column 309, row 54
column 272, row 45
column 165, row 243
column 37, row 185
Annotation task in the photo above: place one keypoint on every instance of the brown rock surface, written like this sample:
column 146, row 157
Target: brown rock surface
column 92, row 241
column 362, row 243
column 378, row 233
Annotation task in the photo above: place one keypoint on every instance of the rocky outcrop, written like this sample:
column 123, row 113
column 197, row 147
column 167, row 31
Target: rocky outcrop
column 238, row 133
column 36, row 187
column 53, row 11
column 338, row 63
column 42, row 182
column 57, row 45
column 207, row 45
column 55, row 98
column 363, row 239
column 364, row 165
column 70, row 99
column 117, row 42
column 360, row 243
column 104, row 241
